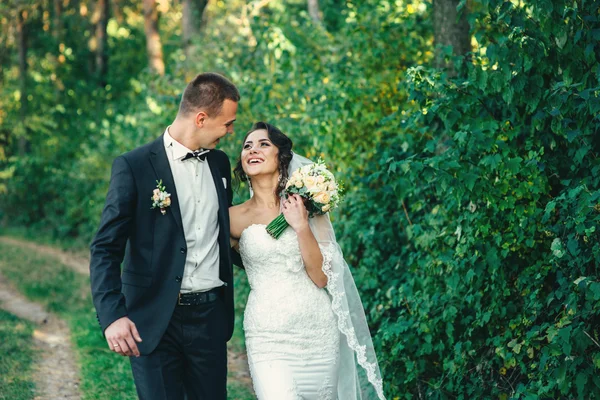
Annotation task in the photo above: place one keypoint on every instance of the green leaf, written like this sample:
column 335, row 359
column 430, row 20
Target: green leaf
column 564, row 335
column 513, row 165
column 580, row 382
column 557, row 248
column 469, row 180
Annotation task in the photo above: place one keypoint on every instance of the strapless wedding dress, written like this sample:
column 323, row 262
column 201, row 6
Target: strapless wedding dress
column 291, row 331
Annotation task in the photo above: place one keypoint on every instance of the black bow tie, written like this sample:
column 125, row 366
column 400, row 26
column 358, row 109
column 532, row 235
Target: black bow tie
column 199, row 155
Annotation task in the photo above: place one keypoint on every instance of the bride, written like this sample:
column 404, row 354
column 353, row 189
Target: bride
column 305, row 327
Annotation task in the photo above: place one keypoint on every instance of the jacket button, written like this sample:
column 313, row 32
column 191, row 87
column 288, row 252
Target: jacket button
column 182, row 250
column 177, row 279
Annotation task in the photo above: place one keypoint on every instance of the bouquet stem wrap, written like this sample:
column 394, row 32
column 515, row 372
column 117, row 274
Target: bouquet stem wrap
column 277, row 226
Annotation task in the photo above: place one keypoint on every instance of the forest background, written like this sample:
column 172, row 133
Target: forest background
column 466, row 132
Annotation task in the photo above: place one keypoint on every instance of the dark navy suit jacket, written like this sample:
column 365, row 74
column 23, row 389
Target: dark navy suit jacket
column 151, row 245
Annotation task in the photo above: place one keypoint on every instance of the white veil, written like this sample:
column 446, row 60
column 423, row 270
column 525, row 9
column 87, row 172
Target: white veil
column 359, row 375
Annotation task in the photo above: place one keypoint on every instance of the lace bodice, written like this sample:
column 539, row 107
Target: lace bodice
column 286, row 311
column 269, row 261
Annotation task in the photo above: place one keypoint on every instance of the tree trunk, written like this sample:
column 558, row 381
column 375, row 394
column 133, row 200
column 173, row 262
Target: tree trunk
column 450, row 29
column 117, row 11
column 193, row 22
column 153, row 43
column 314, row 12
column 57, row 27
column 22, row 44
column 102, row 7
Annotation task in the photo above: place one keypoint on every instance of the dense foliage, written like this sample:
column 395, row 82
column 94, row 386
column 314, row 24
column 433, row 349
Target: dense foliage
column 471, row 219
column 478, row 233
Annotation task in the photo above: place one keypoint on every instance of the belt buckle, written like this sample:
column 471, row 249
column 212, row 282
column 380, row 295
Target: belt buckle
column 179, row 303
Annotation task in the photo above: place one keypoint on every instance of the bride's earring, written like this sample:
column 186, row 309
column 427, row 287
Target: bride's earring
column 250, row 186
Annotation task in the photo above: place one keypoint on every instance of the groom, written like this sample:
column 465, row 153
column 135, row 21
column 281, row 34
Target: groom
column 171, row 307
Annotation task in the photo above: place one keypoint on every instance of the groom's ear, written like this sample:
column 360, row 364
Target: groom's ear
column 200, row 118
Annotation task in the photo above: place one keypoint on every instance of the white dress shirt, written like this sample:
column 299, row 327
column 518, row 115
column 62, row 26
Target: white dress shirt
column 199, row 205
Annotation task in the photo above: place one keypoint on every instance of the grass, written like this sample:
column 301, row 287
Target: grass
column 103, row 374
column 16, row 357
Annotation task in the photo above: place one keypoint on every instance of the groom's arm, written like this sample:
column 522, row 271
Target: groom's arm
column 108, row 246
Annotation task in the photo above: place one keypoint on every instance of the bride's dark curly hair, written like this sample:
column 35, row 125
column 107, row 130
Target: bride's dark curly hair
column 282, row 142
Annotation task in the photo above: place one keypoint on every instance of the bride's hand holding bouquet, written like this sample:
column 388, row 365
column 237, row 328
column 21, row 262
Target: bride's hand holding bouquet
column 318, row 189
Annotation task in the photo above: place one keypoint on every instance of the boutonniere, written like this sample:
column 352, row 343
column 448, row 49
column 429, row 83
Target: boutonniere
column 160, row 198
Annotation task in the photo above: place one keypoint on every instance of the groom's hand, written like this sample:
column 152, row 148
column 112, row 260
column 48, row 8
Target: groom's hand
column 122, row 336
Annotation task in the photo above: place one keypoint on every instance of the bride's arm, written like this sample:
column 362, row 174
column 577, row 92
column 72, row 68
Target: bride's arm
column 296, row 215
column 312, row 257
column 234, row 236
column 233, row 229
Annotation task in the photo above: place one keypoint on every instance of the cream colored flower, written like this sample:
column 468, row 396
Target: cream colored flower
column 167, row 202
column 156, row 196
column 321, row 187
column 156, row 192
column 310, row 181
column 298, row 184
column 322, row 197
column 325, row 208
column 320, row 179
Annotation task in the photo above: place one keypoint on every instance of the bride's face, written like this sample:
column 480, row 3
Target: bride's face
column 259, row 154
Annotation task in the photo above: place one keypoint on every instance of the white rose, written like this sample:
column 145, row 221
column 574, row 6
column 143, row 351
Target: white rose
column 321, row 187
column 322, row 197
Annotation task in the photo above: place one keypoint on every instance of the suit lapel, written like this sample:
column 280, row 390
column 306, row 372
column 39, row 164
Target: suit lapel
column 225, row 272
column 222, row 196
column 162, row 169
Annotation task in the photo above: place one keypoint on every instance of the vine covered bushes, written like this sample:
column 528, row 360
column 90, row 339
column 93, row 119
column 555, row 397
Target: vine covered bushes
column 477, row 230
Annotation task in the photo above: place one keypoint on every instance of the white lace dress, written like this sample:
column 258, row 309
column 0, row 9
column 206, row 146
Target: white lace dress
column 291, row 331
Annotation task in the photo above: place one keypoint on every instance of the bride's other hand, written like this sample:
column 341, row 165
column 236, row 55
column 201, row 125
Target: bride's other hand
column 295, row 213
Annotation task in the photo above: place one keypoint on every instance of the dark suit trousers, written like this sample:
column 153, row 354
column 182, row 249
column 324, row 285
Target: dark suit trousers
column 190, row 361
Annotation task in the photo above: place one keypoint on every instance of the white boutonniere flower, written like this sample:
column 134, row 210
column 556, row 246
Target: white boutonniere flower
column 160, row 198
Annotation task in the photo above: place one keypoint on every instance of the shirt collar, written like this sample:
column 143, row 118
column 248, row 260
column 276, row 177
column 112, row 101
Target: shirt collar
column 178, row 150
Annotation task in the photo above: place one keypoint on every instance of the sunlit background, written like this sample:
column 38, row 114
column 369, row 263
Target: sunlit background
column 465, row 133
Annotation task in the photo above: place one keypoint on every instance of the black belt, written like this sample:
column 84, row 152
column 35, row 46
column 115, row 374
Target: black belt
column 197, row 298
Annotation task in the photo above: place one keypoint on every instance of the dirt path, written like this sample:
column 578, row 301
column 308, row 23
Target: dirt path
column 55, row 371
column 76, row 262
column 237, row 362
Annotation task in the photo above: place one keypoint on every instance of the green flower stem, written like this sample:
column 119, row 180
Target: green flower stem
column 277, row 226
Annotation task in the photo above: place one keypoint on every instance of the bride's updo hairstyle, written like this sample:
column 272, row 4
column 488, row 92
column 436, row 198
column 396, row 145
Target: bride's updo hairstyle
column 282, row 142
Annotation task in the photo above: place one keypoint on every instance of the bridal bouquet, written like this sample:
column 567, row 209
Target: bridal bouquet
column 317, row 186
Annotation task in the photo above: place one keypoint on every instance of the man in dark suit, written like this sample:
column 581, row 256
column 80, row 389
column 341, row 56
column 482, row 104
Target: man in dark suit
column 166, row 215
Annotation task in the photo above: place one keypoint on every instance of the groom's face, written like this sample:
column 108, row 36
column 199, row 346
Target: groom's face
column 213, row 128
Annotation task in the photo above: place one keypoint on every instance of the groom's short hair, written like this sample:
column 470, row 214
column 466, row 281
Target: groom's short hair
column 207, row 92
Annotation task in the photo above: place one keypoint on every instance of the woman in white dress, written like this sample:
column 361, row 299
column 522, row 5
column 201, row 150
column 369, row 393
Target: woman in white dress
column 305, row 328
